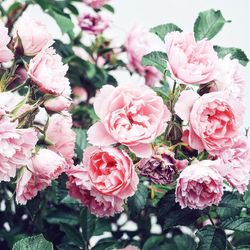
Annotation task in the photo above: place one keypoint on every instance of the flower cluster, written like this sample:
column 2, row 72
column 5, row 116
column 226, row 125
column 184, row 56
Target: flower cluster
column 37, row 142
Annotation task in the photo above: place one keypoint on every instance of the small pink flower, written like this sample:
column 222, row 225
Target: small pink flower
column 190, row 62
column 33, row 35
column 62, row 137
column 5, row 53
column 132, row 115
column 236, row 167
column 96, row 4
column 130, row 247
column 199, row 185
column 47, row 71
column 58, row 104
column 139, row 43
column 94, row 23
column 15, row 147
column 44, row 167
column 106, row 179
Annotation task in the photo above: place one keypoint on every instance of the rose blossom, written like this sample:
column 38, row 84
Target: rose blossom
column 236, row 167
column 33, row 35
column 96, row 4
column 132, row 115
column 62, row 137
column 47, row 71
column 94, row 23
column 213, row 120
column 139, row 43
column 190, row 61
column 5, row 53
column 15, row 147
column 199, row 185
column 59, row 103
column 130, row 247
column 80, row 95
column 44, row 167
column 161, row 167
column 106, row 179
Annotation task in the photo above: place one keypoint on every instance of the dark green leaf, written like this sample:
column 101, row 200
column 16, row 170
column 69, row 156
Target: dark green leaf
column 246, row 197
column 237, row 224
column 81, row 142
column 102, row 225
column 73, row 234
column 244, row 247
column 227, row 212
column 212, row 238
column 233, row 200
column 137, row 202
column 37, row 242
column 107, row 244
column 208, row 24
column 183, row 217
column 59, row 217
column 153, row 241
column 88, row 223
column 162, row 30
column 166, row 204
column 156, row 59
column 234, row 52
column 185, row 242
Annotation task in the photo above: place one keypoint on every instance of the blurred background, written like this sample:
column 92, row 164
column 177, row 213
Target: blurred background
column 150, row 13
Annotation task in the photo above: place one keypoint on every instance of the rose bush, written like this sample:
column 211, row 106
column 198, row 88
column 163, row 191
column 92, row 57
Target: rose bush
column 90, row 162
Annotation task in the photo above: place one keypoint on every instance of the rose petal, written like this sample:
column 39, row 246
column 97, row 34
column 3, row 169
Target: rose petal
column 142, row 150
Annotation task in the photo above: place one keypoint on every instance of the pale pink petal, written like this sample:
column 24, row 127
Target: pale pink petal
column 98, row 135
column 142, row 150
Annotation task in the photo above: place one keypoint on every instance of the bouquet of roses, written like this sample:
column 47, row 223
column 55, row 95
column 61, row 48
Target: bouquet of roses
column 84, row 155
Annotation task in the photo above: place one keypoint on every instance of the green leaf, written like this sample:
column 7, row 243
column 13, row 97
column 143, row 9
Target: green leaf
column 212, row 238
column 63, row 21
column 244, row 247
column 109, row 8
column 166, row 204
column 227, row 212
column 137, row 202
column 246, row 197
column 162, row 30
column 88, row 223
column 233, row 200
column 58, row 217
column 73, row 234
column 153, row 241
column 237, row 223
column 182, row 217
column 102, row 225
column 208, row 24
column 234, row 52
column 156, row 59
column 81, row 142
column 107, row 244
column 37, row 242
column 185, row 242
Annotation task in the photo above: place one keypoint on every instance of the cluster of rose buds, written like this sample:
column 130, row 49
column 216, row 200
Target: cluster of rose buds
column 37, row 142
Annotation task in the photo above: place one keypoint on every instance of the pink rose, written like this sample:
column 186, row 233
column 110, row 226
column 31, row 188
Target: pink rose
column 44, row 167
column 199, row 185
column 58, row 104
column 62, row 137
column 33, row 35
column 139, row 43
column 15, row 147
column 106, row 179
column 47, row 71
column 80, row 95
column 96, row 4
column 5, row 53
column 213, row 120
column 28, row 185
column 228, row 78
column 190, row 62
column 236, row 167
column 94, row 23
column 132, row 115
